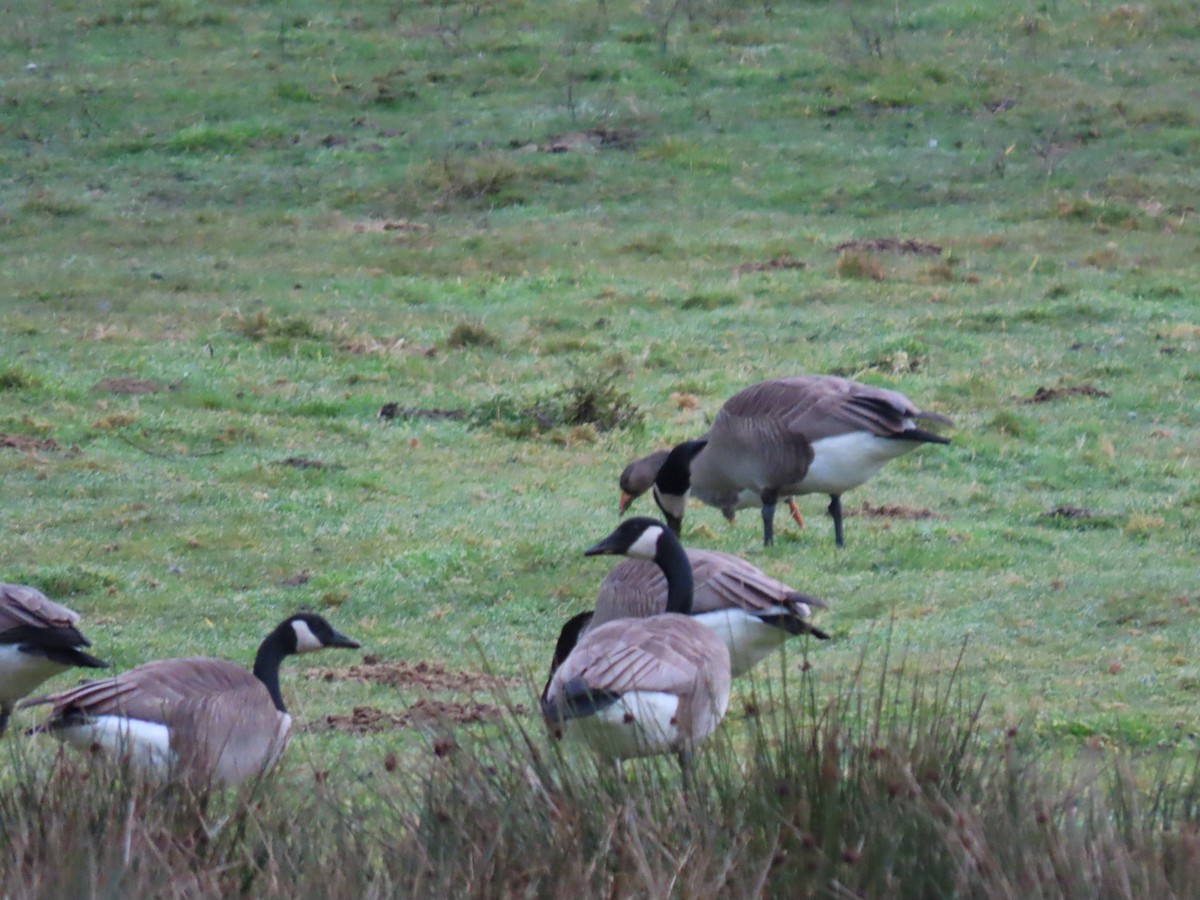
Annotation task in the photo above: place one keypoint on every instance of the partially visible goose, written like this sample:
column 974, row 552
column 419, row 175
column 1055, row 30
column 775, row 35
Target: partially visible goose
column 38, row 639
column 208, row 720
column 638, row 477
column 751, row 612
column 809, row 434
column 639, row 687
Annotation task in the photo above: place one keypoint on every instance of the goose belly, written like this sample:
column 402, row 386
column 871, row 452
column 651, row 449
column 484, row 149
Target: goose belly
column 21, row 672
column 242, row 756
column 846, row 461
column 641, row 723
column 749, row 639
column 147, row 745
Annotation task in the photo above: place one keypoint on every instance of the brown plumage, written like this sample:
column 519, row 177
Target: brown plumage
column 789, row 436
column 38, row 639
column 634, row 687
column 752, row 612
column 205, row 720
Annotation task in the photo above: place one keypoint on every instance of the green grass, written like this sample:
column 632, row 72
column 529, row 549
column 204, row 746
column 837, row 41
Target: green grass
column 290, row 216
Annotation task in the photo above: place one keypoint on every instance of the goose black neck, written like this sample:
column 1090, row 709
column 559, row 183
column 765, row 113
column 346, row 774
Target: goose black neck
column 266, row 665
column 675, row 475
column 673, row 561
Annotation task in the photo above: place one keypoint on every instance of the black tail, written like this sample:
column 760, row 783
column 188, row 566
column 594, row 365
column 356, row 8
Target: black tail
column 919, row 436
column 70, row 656
column 578, row 702
column 795, row 625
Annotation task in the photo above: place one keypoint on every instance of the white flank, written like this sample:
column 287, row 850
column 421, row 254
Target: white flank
column 147, row 745
column 306, row 641
column 646, row 546
column 639, row 724
column 749, row 639
column 21, row 672
column 846, row 461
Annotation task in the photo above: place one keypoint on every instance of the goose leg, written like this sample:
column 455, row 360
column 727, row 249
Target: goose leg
column 685, row 767
column 835, row 510
column 795, row 511
column 769, row 499
column 4, row 714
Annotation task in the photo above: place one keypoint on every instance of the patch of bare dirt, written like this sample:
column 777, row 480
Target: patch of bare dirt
column 393, row 347
column 1068, row 512
column 368, row 719
column 590, row 140
column 395, row 411
column 26, row 443
column 129, row 386
column 892, row 511
column 296, row 580
column 776, row 264
column 303, row 462
column 890, row 245
column 380, row 226
column 1045, row 394
column 423, row 675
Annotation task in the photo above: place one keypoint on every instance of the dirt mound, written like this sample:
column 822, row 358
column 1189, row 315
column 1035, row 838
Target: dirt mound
column 128, row 386
column 1045, row 394
column 370, row 719
column 892, row 511
column 422, row 675
column 27, row 443
column 890, row 245
column 771, row 265
column 1069, row 512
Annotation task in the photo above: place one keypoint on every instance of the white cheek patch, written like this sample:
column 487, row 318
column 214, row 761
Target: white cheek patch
column 646, row 546
column 306, row 641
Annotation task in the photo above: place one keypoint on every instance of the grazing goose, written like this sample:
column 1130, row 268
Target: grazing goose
column 809, row 434
column 750, row 611
column 208, row 719
column 38, row 639
column 638, row 687
column 638, row 477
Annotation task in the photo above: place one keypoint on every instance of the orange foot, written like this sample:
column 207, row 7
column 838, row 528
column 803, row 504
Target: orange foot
column 795, row 510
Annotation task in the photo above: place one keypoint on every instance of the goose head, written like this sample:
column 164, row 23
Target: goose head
column 638, row 477
column 306, row 632
column 674, row 481
column 649, row 539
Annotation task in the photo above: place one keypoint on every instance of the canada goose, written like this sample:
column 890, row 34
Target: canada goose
column 750, row 611
column 207, row 719
column 638, row 477
column 38, row 639
column 809, row 434
column 638, row 687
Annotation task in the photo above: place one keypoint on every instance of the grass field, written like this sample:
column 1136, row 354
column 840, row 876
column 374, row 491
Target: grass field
column 232, row 233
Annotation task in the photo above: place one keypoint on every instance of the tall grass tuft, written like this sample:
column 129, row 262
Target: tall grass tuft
column 889, row 789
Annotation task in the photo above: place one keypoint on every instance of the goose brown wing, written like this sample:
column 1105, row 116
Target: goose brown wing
column 725, row 581
column 666, row 653
column 21, row 605
column 154, row 692
column 836, row 406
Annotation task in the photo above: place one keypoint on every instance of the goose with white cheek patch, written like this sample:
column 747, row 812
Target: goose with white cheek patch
column 638, row 477
column 640, row 687
column 750, row 611
column 38, row 640
column 809, row 434
column 207, row 720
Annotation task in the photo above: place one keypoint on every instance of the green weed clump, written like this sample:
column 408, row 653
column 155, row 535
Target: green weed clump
column 595, row 400
column 16, row 379
column 889, row 788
